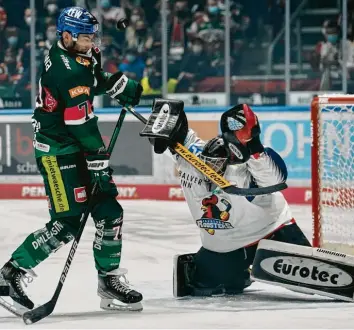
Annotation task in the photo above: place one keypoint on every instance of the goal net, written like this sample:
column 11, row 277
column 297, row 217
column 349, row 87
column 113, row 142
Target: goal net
column 332, row 119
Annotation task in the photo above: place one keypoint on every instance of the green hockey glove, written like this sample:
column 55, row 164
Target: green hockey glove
column 125, row 90
column 101, row 173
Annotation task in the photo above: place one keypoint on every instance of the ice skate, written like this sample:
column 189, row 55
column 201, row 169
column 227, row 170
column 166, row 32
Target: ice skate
column 115, row 292
column 16, row 278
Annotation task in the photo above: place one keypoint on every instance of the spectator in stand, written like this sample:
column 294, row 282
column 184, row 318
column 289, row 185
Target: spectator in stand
column 112, row 58
column 51, row 11
column 196, row 65
column 327, row 57
column 178, row 38
column 109, row 15
column 11, row 68
column 133, row 64
column 276, row 11
column 139, row 36
column 3, row 41
column 51, row 37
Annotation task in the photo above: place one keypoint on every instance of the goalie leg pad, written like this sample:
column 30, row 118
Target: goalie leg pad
column 305, row 269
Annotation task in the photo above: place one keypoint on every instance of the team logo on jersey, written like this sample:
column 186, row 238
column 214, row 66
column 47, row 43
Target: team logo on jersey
column 49, row 103
column 79, row 90
column 213, row 217
column 83, row 61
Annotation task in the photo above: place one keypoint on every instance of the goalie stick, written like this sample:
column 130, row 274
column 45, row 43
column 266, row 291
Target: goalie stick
column 43, row 311
column 213, row 175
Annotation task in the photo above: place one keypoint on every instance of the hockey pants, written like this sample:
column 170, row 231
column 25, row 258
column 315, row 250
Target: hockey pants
column 230, row 270
column 67, row 186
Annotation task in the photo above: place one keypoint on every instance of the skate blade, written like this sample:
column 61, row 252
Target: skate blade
column 116, row 305
column 15, row 308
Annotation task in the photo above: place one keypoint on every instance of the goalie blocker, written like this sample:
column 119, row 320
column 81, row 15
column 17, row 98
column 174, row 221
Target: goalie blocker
column 305, row 269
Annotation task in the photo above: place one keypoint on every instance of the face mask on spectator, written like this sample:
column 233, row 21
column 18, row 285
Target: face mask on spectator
column 197, row 49
column 12, row 40
column 130, row 58
column 28, row 20
column 213, row 10
column 135, row 18
column 51, row 35
column 52, row 8
column 105, row 4
column 332, row 38
column 2, row 23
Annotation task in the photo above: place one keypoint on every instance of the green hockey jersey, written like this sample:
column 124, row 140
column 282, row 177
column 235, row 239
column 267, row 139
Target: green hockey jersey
column 64, row 120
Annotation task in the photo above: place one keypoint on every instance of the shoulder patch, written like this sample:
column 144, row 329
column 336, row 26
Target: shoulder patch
column 83, row 61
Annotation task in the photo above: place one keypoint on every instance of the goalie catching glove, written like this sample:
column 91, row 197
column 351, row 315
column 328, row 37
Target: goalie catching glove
column 126, row 91
column 241, row 133
column 101, row 173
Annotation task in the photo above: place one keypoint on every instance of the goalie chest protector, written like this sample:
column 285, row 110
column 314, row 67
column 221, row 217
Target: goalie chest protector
column 305, row 269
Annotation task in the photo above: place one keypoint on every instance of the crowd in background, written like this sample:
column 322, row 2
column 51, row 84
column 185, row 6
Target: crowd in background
column 195, row 38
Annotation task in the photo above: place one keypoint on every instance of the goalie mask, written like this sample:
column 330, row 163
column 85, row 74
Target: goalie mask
column 214, row 155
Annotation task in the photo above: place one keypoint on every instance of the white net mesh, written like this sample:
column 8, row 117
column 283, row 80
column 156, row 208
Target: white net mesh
column 336, row 176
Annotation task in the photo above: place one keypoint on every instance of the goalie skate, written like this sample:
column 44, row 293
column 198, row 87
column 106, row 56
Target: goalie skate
column 116, row 294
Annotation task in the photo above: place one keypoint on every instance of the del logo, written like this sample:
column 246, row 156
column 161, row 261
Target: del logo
column 213, row 218
column 83, row 61
column 308, row 271
column 79, row 90
column 80, row 194
column 161, row 119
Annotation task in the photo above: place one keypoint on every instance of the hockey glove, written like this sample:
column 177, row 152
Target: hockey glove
column 97, row 65
column 101, row 173
column 166, row 125
column 241, row 133
column 126, row 91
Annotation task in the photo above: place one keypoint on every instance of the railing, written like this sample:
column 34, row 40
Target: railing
column 280, row 35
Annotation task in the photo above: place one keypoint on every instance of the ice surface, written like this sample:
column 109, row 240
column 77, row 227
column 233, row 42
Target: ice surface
column 153, row 232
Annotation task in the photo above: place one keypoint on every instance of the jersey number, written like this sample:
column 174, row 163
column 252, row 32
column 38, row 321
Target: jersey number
column 84, row 106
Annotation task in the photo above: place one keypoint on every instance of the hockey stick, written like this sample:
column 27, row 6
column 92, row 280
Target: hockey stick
column 43, row 311
column 213, row 176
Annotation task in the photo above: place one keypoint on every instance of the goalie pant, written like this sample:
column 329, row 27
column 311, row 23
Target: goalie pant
column 208, row 273
column 67, row 183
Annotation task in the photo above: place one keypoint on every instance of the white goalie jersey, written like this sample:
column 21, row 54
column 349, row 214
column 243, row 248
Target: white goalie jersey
column 229, row 222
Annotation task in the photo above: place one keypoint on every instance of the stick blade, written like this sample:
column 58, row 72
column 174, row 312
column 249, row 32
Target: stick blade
column 38, row 313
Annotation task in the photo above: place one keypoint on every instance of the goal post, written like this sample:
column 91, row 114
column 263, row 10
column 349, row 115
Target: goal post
column 332, row 157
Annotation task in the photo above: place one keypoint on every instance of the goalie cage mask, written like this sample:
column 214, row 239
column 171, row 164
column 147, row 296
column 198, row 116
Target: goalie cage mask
column 215, row 155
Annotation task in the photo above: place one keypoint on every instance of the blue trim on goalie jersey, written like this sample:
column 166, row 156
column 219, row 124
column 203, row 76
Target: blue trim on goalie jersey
column 278, row 163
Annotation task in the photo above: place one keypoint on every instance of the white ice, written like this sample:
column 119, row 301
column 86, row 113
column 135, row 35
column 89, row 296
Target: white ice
column 153, row 232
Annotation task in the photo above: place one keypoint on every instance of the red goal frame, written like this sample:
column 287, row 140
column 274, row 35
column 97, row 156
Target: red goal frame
column 333, row 197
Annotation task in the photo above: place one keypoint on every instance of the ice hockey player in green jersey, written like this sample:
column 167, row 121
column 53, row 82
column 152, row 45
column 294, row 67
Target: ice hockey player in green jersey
column 71, row 157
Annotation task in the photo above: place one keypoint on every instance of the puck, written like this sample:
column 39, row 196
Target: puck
column 122, row 24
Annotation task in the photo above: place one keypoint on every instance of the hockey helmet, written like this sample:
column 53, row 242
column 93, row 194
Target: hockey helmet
column 215, row 154
column 77, row 20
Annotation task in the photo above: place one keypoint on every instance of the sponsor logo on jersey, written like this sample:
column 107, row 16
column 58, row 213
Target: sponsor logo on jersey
column 161, row 119
column 41, row 146
column 83, row 61
column 47, row 63
column 187, row 180
column 307, row 271
column 65, row 61
column 80, row 194
column 79, row 90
